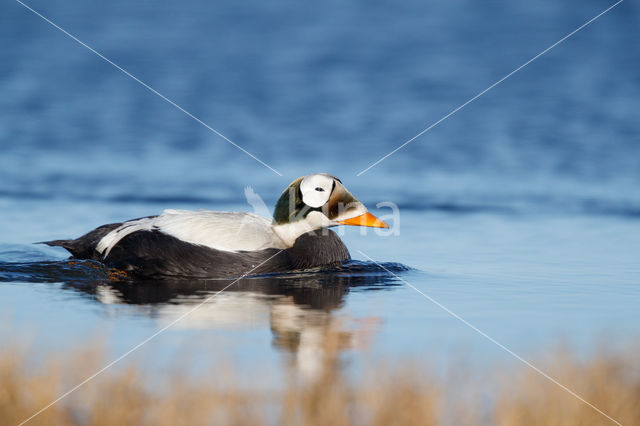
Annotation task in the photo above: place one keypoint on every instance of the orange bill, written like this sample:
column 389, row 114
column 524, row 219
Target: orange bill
column 366, row 219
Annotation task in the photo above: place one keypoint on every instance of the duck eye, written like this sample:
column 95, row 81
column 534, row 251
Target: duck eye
column 319, row 189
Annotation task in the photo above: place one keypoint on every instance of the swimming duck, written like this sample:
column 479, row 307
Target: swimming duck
column 227, row 244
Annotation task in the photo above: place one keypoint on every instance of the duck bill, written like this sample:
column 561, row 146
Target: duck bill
column 366, row 219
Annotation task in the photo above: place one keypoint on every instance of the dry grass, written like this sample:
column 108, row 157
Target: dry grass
column 609, row 381
column 407, row 396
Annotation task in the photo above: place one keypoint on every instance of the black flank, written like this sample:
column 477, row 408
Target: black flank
column 153, row 254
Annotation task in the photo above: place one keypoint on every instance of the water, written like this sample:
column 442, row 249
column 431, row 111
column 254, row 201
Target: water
column 520, row 213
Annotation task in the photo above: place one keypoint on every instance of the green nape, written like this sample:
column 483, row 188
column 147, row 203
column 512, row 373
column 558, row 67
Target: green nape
column 286, row 210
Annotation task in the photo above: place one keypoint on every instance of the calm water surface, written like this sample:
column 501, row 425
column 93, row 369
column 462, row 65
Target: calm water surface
column 521, row 213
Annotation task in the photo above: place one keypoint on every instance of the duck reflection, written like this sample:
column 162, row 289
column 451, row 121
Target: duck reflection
column 302, row 310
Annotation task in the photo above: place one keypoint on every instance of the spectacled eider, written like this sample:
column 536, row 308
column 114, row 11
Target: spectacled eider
column 211, row 244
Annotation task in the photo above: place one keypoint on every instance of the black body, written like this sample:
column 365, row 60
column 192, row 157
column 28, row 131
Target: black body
column 153, row 254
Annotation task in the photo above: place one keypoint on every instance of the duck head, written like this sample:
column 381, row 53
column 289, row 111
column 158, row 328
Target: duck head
column 318, row 201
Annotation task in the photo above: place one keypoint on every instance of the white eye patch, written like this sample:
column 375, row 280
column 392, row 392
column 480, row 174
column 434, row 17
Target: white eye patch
column 316, row 190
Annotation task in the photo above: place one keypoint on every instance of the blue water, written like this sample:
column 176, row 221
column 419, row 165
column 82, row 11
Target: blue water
column 520, row 213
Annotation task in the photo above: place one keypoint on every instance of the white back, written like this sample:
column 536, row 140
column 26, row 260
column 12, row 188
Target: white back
column 227, row 231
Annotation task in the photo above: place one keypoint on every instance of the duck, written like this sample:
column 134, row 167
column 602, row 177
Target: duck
column 217, row 244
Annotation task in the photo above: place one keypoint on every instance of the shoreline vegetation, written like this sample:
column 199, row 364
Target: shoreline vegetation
column 388, row 395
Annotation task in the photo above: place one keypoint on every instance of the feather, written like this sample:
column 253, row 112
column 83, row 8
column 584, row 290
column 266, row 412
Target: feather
column 225, row 231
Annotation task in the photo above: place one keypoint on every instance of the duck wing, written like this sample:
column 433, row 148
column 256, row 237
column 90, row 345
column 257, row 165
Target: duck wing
column 224, row 231
column 156, row 255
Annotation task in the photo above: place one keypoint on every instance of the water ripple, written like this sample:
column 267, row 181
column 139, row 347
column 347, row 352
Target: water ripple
column 90, row 271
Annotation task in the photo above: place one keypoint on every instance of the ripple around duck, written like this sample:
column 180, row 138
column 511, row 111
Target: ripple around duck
column 53, row 271
column 351, row 268
column 88, row 271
